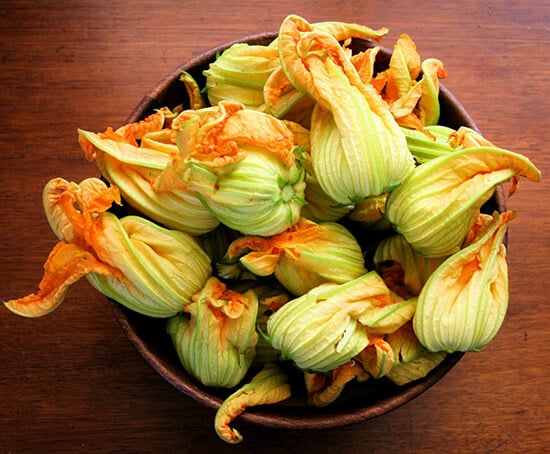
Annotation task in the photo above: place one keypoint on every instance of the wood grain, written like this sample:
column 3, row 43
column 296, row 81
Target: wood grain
column 71, row 382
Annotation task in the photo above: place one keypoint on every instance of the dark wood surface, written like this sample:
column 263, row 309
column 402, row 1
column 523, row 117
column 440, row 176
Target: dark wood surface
column 71, row 381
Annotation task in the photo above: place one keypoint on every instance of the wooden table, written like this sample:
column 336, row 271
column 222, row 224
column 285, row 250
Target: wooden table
column 71, row 381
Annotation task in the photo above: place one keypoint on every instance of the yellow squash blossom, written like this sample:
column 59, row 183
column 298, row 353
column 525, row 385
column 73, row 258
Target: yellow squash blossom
column 284, row 100
column 329, row 325
column 357, row 147
column 411, row 359
column 239, row 74
column 302, row 257
column 135, row 170
column 268, row 386
column 438, row 203
column 242, row 165
column 463, row 303
column 134, row 156
column 215, row 338
column 149, row 269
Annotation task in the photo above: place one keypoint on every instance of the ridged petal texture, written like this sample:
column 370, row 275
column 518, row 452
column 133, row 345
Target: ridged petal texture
column 150, row 269
column 439, row 202
column 463, row 303
column 320, row 330
column 135, row 170
column 302, row 257
column 357, row 147
column 241, row 164
column 215, row 339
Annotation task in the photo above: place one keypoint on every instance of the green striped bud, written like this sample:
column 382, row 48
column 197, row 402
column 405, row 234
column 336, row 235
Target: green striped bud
column 215, row 339
column 239, row 74
column 241, row 164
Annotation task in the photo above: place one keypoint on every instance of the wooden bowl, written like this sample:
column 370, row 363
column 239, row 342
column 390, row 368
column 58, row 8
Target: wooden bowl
column 359, row 401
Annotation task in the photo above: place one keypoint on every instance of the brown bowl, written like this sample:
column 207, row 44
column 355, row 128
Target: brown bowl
column 358, row 402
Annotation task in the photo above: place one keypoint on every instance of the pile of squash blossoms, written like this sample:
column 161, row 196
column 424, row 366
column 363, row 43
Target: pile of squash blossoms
column 242, row 241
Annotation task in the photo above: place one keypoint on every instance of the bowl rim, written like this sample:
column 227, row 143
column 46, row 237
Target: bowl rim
column 176, row 375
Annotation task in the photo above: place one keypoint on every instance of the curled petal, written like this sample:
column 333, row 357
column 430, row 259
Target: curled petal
column 66, row 264
column 269, row 386
column 428, row 105
column 412, row 360
column 222, row 130
column 377, row 358
column 357, row 147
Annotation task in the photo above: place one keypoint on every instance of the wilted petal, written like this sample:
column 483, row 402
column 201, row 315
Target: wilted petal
column 377, row 358
column 66, row 264
column 411, row 360
column 269, row 386
column 428, row 105
column 150, row 269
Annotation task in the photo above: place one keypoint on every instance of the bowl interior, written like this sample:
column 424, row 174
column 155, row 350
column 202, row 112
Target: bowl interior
column 358, row 401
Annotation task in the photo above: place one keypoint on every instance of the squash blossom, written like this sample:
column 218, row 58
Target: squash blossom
column 282, row 99
column 240, row 73
column 319, row 206
column 270, row 385
column 241, row 163
column 463, row 303
column 439, row 202
column 135, row 171
column 215, row 338
column 327, row 326
column 302, row 257
column 357, row 147
column 147, row 268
